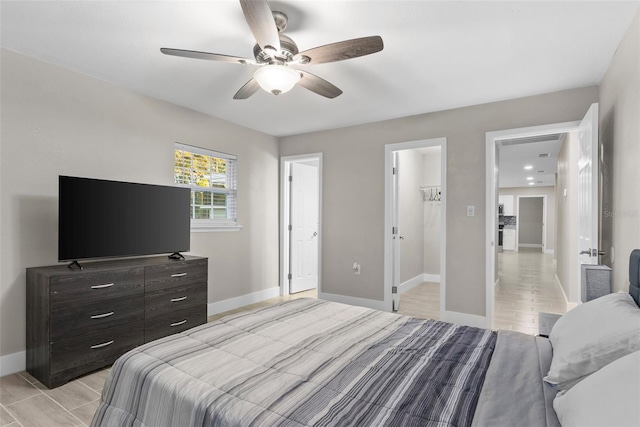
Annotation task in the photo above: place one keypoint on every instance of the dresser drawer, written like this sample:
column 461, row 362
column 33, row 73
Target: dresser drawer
column 166, row 300
column 75, row 356
column 173, row 274
column 174, row 322
column 96, row 316
column 81, row 288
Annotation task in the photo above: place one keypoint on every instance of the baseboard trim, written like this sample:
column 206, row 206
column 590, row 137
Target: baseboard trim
column 362, row 302
column 410, row 284
column 550, row 251
column 434, row 278
column 242, row 300
column 467, row 319
column 529, row 245
column 570, row 305
column 12, row 363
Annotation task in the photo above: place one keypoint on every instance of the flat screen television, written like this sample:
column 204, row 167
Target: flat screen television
column 104, row 219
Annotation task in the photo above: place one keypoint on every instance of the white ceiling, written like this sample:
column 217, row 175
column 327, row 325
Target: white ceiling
column 514, row 158
column 438, row 54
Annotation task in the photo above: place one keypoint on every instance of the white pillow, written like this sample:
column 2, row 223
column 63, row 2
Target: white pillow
column 591, row 336
column 608, row 397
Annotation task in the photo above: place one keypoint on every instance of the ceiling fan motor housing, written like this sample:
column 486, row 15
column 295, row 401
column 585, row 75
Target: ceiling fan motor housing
column 288, row 49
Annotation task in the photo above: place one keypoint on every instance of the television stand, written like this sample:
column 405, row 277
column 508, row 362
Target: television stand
column 76, row 263
column 176, row 255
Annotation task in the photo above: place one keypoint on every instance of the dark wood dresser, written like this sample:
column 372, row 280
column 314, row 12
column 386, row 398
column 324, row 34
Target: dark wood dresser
column 82, row 320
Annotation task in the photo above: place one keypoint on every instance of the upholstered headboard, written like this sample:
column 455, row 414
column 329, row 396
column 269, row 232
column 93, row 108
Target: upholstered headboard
column 634, row 275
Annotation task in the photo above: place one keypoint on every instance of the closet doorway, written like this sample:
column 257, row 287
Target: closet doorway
column 415, row 203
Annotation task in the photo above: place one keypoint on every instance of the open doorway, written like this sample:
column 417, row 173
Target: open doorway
column 300, row 223
column 415, row 204
column 529, row 267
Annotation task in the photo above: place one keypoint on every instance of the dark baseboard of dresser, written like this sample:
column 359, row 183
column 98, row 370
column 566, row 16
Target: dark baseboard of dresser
column 82, row 320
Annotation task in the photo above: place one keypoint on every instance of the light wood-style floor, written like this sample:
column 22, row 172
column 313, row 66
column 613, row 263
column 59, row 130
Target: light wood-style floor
column 527, row 285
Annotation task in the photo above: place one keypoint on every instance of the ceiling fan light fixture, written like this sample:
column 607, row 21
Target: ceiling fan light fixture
column 276, row 78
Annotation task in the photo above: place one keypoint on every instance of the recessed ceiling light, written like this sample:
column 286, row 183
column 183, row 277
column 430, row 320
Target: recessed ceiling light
column 532, row 183
column 528, row 167
column 529, row 178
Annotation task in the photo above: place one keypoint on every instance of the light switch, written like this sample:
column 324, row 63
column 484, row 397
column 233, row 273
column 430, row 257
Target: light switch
column 471, row 211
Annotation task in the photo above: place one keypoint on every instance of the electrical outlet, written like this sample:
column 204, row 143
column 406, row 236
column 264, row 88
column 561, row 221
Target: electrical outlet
column 471, row 211
column 356, row 268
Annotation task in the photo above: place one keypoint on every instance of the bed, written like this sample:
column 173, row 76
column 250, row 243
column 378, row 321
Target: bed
column 312, row 362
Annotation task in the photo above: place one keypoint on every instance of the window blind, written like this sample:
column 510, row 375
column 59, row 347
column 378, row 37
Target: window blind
column 212, row 178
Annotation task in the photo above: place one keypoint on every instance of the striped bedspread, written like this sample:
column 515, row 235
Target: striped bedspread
column 302, row 363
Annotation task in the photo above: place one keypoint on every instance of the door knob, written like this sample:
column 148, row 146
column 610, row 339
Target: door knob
column 587, row 252
column 401, row 237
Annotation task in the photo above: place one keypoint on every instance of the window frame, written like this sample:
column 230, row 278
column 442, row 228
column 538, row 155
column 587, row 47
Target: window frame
column 206, row 225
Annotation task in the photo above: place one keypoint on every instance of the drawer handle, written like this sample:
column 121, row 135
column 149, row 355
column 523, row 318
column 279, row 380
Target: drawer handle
column 178, row 299
column 100, row 316
column 179, row 275
column 106, row 285
column 179, row 323
column 104, row 344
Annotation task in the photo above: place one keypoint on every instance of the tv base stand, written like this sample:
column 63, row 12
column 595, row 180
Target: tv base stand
column 77, row 264
column 176, row 255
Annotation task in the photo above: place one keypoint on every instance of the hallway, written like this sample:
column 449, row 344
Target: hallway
column 527, row 286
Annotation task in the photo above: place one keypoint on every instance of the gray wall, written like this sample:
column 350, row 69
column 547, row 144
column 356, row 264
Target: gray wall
column 566, row 253
column 56, row 121
column 548, row 191
column 411, row 225
column 620, row 137
column 432, row 214
column 530, row 221
column 353, row 211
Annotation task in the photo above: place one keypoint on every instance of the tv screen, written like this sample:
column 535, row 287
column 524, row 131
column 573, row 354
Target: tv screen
column 100, row 219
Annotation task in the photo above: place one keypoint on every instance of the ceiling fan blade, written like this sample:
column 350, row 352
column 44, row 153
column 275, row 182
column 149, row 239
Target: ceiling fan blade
column 263, row 26
column 340, row 51
column 205, row 55
column 318, row 85
column 247, row 90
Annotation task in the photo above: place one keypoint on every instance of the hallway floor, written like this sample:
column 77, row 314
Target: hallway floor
column 527, row 286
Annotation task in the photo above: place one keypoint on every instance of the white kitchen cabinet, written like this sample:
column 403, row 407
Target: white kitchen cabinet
column 509, row 239
column 507, row 202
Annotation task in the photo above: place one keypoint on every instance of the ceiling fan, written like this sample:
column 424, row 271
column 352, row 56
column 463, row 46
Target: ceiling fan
column 276, row 54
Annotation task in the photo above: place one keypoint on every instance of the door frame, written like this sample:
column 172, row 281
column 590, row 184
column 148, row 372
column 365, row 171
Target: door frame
column 388, row 214
column 285, row 214
column 544, row 219
column 491, row 201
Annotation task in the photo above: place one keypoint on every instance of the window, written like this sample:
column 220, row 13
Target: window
column 211, row 176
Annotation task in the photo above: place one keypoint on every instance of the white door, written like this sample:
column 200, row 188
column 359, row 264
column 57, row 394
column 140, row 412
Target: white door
column 588, row 219
column 304, row 227
column 395, row 236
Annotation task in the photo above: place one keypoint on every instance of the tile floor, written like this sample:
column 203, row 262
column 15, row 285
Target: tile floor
column 527, row 285
column 26, row 402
